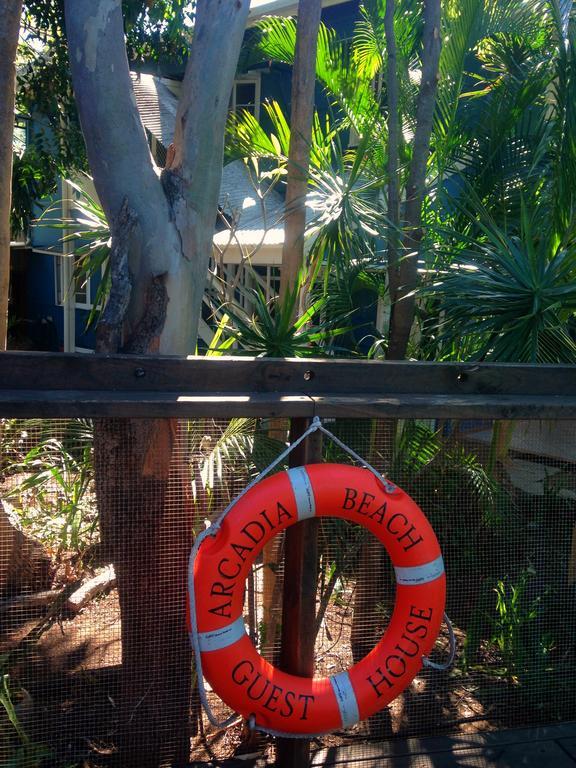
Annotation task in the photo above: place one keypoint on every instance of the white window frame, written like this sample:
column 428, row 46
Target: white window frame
column 61, row 278
column 20, row 123
column 65, row 271
column 19, row 146
column 59, row 275
column 88, row 304
column 249, row 77
column 266, row 281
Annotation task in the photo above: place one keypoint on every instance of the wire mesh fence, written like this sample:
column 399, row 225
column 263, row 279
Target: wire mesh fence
column 500, row 496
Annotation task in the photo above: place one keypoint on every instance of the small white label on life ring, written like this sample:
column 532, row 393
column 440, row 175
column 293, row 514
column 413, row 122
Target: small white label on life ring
column 222, row 638
column 420, row 574
column 303, row 492
column 346, row 698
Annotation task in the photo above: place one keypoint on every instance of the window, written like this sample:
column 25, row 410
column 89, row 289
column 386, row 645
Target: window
column 246, row 95
column 263, row 276
column 19, row 146
column 60, row 278
column 67, row 280
column 81, row 289
column 20, row 140
column 235, row 281
column 269, row 279
column 157, row 149
column 71, row 282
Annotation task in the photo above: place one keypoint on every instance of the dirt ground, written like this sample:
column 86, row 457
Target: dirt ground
column 71, row 676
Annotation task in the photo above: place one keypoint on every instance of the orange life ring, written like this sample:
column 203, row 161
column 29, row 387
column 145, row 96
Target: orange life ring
column 287, row 703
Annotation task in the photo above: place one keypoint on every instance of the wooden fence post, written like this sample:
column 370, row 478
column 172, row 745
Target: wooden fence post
column 299, row 599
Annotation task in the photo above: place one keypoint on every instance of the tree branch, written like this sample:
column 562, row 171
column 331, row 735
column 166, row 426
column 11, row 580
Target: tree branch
column 195, row 172
column 203, row 108
column 121, row 163
column 116, row 143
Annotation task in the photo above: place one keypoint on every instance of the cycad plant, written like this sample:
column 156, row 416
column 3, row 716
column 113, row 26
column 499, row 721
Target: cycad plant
column 277, row 328
column 510, row 297
column 510, row 155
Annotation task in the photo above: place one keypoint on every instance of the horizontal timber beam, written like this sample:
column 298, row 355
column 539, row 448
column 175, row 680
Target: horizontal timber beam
column 72, row 404
column 53, row 385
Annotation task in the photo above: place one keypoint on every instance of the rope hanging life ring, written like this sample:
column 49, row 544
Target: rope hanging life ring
column 296, row 705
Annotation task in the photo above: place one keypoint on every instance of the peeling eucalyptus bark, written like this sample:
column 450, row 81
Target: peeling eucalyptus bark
column 109, row 332
column 10, row 11
column 162, row 227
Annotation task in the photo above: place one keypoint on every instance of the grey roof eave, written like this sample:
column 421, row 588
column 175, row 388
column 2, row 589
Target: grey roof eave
column 282, row 8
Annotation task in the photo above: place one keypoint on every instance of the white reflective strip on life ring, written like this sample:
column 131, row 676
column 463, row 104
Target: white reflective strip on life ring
column 303, row 492
column 420, row 574
column 346, row 698
column 222, row 638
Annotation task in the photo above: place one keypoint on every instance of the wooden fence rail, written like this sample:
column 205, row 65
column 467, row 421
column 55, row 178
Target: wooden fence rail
column 52, row 385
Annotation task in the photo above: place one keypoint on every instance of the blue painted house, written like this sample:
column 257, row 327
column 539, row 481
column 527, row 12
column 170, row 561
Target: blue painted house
column 51, row 309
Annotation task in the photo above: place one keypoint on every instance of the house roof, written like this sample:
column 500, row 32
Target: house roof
column 157, row 106
column 281, row 7
column 257, row 222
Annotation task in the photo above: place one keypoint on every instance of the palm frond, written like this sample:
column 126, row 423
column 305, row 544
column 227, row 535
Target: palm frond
column 89, row 233
column 348, row 89
column 513, row 294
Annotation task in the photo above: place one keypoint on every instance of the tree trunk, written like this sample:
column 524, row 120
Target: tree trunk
column 138, row 487
column 162, row 227
column 403, row 300
column 301, row 117
column 10, row 11
column 146, row 521
column 271, row 554
column 392, row 92
column 299, row 599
